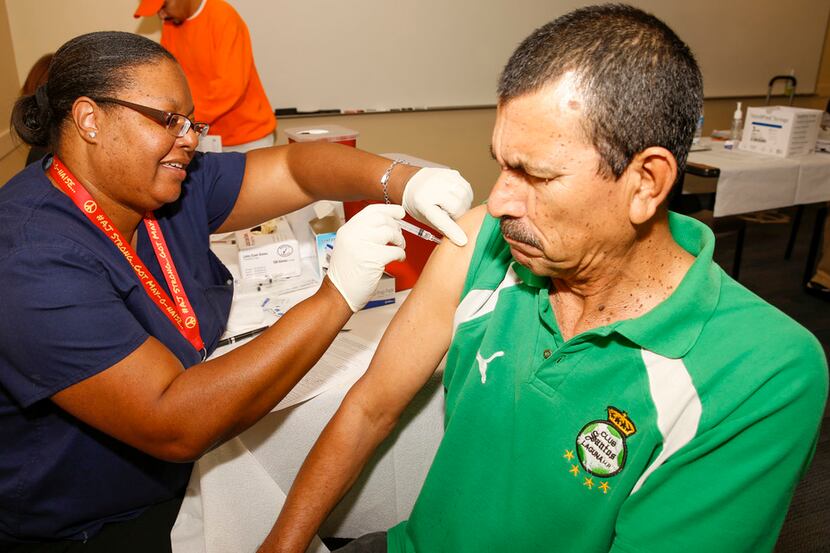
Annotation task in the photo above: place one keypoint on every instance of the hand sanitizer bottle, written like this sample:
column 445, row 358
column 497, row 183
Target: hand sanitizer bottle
column 737, row 127
column 698, row 130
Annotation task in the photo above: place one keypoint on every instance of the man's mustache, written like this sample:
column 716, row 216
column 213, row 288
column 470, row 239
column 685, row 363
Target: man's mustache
column 517, row 231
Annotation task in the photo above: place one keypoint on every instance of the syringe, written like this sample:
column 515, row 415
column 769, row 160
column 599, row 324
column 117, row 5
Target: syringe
column 419, row 232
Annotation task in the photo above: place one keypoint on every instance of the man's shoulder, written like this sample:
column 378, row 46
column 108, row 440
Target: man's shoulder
column 756, row 317
column 491, row 256
column 748, row 331
column 472, row 221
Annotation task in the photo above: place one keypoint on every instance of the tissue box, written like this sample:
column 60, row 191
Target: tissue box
column 263, row 255
column 781, row 131
column 384, row 293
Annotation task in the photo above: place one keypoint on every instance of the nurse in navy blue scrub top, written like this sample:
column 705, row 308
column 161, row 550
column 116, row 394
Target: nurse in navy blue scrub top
column 111, row 300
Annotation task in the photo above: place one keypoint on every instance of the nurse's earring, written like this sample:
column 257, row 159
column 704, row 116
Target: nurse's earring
column 92, row 134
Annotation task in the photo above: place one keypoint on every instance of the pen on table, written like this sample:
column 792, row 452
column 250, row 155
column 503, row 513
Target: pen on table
column 238, row 337
column 419, row 232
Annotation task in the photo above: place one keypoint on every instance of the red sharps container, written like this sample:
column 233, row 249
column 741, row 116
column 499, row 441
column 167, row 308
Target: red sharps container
column 418, row 250
column 322, row 133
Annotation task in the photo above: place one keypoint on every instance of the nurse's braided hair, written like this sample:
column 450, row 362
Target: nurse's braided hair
column 95, row 64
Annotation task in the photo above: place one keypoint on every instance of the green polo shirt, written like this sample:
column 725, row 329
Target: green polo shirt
column 685, row 429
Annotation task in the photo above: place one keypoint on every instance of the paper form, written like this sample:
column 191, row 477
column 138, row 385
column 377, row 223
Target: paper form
column 344, row 362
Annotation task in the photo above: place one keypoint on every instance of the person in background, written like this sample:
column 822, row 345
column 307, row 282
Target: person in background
column 819, row 284
column 608, row 387
column 211, row 43
column 112, row 300
column 37, row 76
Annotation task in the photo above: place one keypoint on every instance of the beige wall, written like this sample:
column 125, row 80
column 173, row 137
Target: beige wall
column 76, row 17
column 718, row 112
column 823, row 81
column 11, row 157
column 458, row 138
column 22, row 42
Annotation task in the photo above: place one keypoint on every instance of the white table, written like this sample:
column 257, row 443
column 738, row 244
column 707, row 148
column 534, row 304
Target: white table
column 236, row 490
column 748, row 182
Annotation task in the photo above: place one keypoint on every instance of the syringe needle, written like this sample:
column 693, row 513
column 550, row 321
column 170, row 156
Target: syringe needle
column 418, row 231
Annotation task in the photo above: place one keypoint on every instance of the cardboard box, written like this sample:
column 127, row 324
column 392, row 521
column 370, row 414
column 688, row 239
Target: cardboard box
column 384, row 293
column 823, row 140
column 272, row 254
column 210, row 143
column 780, row 131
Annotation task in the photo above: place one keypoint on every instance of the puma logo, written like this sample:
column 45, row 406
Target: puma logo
column 482, row 364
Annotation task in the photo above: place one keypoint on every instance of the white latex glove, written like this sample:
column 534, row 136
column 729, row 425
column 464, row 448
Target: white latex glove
column 363, row 247
column 436, row 197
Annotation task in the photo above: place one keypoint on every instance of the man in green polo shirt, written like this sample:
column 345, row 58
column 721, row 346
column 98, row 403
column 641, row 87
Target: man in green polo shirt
column 608, row 387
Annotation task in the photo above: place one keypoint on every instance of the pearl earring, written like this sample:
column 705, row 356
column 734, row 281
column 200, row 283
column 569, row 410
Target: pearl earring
column 92, row 134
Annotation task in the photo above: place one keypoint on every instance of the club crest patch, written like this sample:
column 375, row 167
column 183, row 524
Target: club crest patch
column 600, row 445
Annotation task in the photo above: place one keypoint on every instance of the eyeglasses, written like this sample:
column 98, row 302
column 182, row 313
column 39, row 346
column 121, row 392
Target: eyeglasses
column 175, row 123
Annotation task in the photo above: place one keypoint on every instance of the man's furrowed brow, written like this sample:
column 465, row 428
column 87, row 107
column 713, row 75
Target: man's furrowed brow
column 522, row 166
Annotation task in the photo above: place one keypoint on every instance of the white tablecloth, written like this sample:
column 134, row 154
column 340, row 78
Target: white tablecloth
column 235, row 491
column 753, row 182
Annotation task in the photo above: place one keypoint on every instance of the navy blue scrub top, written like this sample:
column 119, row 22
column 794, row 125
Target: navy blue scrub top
column 70, row 307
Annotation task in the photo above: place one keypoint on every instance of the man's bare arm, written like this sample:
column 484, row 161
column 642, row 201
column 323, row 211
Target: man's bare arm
column 409, row 352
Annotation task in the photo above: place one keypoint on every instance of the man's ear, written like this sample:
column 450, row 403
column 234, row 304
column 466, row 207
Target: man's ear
column 85, row 113
column 651, row 176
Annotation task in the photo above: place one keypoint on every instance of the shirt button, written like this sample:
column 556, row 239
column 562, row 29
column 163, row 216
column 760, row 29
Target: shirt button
column 547, row 353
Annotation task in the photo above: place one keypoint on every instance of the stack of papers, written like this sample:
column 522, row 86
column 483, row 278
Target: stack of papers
column 345, row 361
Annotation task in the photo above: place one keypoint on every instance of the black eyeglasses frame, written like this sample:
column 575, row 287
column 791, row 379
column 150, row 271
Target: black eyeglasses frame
column 166, row 119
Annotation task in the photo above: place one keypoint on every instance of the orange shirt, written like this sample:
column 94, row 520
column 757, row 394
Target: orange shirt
column 214, row 49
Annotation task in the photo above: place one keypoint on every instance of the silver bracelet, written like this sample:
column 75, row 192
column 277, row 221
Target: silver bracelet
column 384, row 180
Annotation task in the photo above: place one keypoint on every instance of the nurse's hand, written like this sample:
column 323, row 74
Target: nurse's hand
column 436, row 197
column 363, row 247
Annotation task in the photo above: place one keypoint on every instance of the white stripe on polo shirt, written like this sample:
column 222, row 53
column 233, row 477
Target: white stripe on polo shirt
column 478, row 303
column 677, row 404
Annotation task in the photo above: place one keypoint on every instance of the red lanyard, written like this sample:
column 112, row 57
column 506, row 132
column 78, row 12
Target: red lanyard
column 180, row 313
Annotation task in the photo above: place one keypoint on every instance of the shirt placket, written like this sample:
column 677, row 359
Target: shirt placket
column 549, row 351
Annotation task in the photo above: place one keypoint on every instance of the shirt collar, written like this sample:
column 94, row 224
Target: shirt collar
column 673, row 326
column 529, row 278
column 198, row 11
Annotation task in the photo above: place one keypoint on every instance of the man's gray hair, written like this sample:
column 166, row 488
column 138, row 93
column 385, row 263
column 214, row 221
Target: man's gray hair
column 641, row 83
